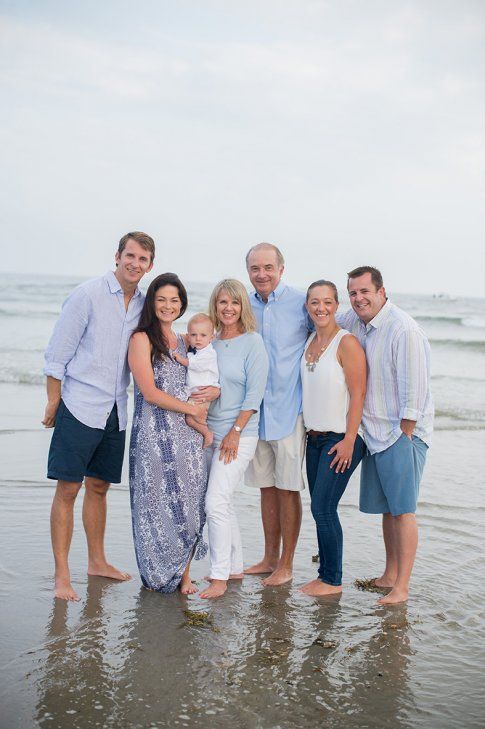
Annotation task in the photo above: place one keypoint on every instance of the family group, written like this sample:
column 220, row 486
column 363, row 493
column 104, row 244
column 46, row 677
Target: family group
column 257, row 383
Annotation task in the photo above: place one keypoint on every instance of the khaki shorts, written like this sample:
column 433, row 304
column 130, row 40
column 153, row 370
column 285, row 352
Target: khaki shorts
column 279, row 462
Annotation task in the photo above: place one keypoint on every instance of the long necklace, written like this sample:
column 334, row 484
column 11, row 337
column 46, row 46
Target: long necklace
column 312, row 361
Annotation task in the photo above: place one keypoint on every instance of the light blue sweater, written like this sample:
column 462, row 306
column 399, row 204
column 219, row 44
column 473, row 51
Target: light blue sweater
column 243, row 371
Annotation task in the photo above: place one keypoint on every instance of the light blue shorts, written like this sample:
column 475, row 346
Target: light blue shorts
column 389, row 480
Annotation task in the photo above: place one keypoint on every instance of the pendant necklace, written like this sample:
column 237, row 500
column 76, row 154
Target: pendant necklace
column 311, row 363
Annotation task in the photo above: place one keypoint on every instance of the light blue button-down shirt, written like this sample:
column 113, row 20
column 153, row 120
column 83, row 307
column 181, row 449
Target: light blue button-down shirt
column 398, row 375
column 88, row 350
column 284, row 324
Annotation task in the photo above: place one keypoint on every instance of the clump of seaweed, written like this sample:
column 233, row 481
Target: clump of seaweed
column 197, row 619
column 328, row 644
column 369, row 586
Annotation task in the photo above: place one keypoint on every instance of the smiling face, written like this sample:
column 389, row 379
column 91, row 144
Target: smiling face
column 228, row 309
column 321, row 306
column 132, row 264
column 264, row 271
column 200, row 334
column 167, row 304
column 366, row 300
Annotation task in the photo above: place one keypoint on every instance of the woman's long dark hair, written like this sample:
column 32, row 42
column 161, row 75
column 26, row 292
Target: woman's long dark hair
column 148, row 320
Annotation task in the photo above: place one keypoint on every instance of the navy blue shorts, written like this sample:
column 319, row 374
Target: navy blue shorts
column 77, row 450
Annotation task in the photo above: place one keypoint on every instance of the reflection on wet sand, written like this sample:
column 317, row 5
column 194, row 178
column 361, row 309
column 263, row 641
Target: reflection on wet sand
column 77, row 682
column 252, row 662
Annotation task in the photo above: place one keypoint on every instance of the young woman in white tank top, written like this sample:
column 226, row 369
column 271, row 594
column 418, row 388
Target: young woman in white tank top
column 333, row 373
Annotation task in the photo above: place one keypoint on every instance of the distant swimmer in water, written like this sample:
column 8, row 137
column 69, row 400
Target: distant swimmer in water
column 397, row 421
column 87, row 378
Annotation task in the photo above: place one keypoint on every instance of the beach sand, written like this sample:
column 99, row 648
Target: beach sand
column 258, row 657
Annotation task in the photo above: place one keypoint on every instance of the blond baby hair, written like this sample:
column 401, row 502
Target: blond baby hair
column 200, row 317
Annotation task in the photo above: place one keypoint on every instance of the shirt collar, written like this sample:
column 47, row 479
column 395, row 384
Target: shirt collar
column 274, row 295
column 114, row 284
column 381, row 316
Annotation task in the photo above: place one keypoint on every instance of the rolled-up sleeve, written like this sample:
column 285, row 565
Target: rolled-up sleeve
column 67, row 334
column 412, row 362
column 256, row 367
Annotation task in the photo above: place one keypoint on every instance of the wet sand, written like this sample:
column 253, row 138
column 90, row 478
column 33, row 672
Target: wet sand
column 262, row 657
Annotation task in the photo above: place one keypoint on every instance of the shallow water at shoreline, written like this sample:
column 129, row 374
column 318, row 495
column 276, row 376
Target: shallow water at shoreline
column 265, row 657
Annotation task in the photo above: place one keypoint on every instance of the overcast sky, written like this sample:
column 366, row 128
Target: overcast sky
column 346, row 132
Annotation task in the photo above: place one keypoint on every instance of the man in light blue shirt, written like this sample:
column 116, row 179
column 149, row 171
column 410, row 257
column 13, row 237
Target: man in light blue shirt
column 87, row 378
column 277, row 465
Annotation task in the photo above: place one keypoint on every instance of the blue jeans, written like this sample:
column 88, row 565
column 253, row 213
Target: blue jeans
column 326, row 489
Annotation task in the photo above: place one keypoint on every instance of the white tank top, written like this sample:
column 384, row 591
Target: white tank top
column 325, row 394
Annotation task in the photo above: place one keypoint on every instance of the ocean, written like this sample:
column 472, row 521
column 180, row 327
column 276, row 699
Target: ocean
column 259, row 657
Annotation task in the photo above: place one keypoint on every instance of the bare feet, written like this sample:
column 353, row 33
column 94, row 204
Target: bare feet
column 208, row 439
column 395, row 596
column 232, row 576
column 261, row 568
column 187, row 587
column 317, row 588
column 279, row 577
column 216, row 589
column 107, row 570
column 385, row 581
column 64, row 590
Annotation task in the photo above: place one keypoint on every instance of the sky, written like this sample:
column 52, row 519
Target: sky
column 345, row 132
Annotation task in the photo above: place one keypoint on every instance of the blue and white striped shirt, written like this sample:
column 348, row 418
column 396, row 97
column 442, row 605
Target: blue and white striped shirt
column 88, row 350
column 398, row 375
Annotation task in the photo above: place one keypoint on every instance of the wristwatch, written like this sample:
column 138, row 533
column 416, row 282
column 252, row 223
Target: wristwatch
column 237, row 428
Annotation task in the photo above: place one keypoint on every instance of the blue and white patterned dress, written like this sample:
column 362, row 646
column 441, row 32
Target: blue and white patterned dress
column 168, row 481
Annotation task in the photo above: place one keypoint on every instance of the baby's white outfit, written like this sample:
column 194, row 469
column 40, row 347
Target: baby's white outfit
column 202, row 370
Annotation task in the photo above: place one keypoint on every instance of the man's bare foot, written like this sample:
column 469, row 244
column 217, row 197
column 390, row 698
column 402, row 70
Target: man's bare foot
column 317, row 588
column 64, row 590
column 216, row 589
column 107, row 570
column 395, row 596
column 278, row 577
column 232, row 576
column 187, row 587
column 208, row 439
column 261, row 568
column 385, row 581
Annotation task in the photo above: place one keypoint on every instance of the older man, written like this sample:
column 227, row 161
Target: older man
column 397, row 420
column 277, row 466
column 87, row 377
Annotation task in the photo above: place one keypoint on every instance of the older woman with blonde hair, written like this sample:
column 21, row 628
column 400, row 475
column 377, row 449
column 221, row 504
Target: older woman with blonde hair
column 234, row 420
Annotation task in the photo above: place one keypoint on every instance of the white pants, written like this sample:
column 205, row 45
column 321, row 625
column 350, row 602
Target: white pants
column 225, row 545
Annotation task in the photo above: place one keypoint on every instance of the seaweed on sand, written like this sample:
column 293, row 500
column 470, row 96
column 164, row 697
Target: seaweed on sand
column 198, row 619
column 369, row 585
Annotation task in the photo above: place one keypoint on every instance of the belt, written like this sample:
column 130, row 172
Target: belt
column 317, row 432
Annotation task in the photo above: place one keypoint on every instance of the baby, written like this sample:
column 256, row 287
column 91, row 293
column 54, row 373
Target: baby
column 201, row 363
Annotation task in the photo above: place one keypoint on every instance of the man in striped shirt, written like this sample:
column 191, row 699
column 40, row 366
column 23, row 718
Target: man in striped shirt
column 397, row 421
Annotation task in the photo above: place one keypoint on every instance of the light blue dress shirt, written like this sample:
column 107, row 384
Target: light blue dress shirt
column 284, row 324
column 243, row 369
column 88, row 350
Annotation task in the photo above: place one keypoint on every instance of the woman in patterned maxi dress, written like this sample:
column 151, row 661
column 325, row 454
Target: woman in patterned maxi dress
column 168, row 475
